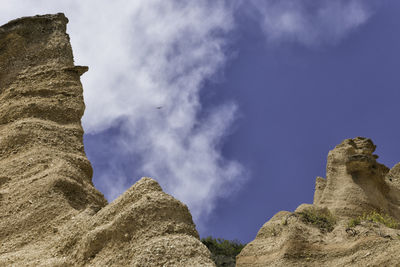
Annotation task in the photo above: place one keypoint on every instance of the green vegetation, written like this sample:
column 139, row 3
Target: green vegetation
column 376, row 217
column 354, row 222
column 223, row 252
column 322, row 218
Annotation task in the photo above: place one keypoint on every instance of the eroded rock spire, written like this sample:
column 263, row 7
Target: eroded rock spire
column 50, row 212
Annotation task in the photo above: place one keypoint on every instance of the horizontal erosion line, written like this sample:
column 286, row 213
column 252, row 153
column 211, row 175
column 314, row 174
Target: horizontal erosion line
column 66, row 91
column 45, row 110
column 45, row 153
column 38, row 121
column 35, row 121
column 42, row 73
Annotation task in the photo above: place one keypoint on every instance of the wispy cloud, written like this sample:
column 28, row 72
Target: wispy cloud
column 148, row 54
column 166, row 50
column 309, row 22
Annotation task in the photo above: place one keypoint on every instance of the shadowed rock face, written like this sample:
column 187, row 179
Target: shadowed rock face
column 51, row 214
column 356, row 184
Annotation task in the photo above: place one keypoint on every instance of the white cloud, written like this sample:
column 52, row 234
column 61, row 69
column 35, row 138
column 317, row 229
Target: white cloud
column 150, row 53
column 310, row 22
column 145, row 54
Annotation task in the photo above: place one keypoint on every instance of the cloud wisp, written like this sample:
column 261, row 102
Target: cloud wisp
column 308, row 22
column 148, row 62
column 167, row 49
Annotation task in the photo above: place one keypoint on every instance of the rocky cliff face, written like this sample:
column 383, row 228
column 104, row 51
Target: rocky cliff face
column 51, row 214
column 352, row 222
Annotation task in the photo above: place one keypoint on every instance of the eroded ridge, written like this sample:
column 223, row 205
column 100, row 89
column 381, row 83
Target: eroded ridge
column 353, row 221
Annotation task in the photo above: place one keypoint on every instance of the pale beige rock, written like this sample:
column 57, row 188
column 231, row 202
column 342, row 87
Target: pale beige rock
column 51, row 214
column 356, row 181
column 356, row 184
column 320, row 184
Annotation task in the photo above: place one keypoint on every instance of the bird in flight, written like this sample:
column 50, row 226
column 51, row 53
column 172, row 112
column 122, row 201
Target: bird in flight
column 160, row 107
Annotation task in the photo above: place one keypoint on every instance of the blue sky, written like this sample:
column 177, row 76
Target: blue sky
column 253, row 94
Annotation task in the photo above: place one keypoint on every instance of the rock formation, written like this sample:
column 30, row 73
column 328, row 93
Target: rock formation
column 51, row 214
column 352, row 222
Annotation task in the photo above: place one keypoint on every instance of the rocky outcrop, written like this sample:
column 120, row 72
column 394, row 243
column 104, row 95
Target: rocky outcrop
column 51, row 214
column 352, row 222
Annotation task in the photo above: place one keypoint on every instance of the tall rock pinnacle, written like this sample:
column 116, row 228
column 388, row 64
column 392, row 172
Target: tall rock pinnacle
column 50, row 212
column 45, row 175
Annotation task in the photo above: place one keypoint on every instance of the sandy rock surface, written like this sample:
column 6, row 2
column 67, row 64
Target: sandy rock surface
column 325, row 233
column 50, row 212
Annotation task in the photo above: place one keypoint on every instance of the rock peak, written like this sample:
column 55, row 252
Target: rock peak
column 355, row 181
column 361, row 145
column 354, row 219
